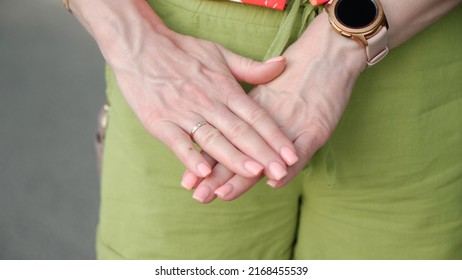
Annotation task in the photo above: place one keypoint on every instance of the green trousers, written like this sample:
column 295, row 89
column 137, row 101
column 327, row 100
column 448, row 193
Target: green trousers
column 387, row 186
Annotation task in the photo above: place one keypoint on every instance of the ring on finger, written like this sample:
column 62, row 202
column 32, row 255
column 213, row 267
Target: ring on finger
column 196, row 127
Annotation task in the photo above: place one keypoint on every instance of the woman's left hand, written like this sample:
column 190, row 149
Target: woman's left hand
column 307, row 101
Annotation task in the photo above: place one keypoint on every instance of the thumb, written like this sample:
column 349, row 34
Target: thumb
column 253, row 72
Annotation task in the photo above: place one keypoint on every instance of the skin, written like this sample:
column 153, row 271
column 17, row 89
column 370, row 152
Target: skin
column 172, row 82
column 305, row 101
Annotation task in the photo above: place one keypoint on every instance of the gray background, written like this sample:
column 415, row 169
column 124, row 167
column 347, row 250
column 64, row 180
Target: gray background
column 51, row 89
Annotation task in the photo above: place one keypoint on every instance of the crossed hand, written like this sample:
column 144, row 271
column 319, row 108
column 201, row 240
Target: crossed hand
column 185, row 90
column 305, row 104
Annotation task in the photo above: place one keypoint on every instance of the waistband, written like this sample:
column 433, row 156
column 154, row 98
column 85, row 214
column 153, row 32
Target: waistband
column 289, row 23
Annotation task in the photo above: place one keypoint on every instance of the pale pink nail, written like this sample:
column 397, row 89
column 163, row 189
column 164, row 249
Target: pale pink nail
column 189, row 180
column 272, row 183
column 253, row 167
column 201, row 194
column 275, row 59
column 204, row 170
column 277, row 171
column 289, row 156
column 224, row 191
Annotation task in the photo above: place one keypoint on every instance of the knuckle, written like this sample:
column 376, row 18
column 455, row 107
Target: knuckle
column 188, row 86
column 195, row 94
column 319, row 132
column 225, row 82
column 210, row 137
column 304, row 151
column 238, row 130
column 246, row 63
column 149, row 120
column 218, row 76
column 258, row 116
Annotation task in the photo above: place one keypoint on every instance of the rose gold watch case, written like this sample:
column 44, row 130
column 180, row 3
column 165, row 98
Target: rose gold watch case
column 361, row 35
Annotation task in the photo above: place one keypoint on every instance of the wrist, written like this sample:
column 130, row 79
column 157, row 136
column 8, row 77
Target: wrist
column 322, row 44
column 117, row 27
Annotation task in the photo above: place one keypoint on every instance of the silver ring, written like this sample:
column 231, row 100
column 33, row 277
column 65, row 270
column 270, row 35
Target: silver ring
column 196, row 127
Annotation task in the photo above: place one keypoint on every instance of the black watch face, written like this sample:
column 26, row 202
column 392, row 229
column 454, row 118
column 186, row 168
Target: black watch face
column 356, row 13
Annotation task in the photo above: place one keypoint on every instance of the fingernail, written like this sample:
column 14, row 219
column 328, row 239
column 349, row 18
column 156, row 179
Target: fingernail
column 272, row 183
column 277, row 171
column 289, row 156
column 253, row 167
column 204, row 170
column 275, row 59
column 223, row 191
column 189, row 180
column 201, row 193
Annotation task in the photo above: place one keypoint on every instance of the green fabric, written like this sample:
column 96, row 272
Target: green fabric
column 287, row 24
column 387, row 186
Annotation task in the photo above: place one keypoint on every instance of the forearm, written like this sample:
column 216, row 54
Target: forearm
column 407, row 17
column 117, row 25
column 174, row 82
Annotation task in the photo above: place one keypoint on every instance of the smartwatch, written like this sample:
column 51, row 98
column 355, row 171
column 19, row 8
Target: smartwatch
column 363, row 21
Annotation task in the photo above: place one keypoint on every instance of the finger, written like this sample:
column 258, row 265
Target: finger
column 217, row 146
column 306, row 144
column 235, row 187
column 263, row 124
column 205, row 191
column 189, row 180
column 249, row 142
column 241, row 135
column 180, row 143
column 253, row 72
column 204, row 194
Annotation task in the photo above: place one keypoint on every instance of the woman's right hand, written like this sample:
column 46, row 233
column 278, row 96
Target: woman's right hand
column 173, row 82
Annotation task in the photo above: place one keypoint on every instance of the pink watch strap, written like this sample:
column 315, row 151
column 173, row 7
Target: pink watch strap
column 377, row 47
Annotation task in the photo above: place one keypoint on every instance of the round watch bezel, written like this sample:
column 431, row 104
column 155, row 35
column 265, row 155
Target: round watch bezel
column 367, row 30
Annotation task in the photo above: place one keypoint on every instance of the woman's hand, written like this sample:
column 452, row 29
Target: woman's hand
column 174, row 82
column 183, row 81
column 307, row 101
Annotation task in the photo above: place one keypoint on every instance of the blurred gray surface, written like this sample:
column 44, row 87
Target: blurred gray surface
column 51, row 88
